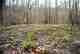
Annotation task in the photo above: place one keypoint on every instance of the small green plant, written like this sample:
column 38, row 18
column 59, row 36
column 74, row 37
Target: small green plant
column 30, row 40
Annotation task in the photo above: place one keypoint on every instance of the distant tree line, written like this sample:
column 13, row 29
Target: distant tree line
column 28, row 5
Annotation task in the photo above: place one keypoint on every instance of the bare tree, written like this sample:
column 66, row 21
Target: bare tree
column 69, row 3
column 27, row 11
column 37, row 3
column 75, row 6
column 65, row 2
column 13, row 6
column 70, row 11
column 45, row 12
column 2, row 2
column 56, row 11
column 78, row 3
column 73, row 13
column 50, row 18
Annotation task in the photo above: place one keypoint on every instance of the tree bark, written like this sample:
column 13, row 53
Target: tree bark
column 56, row 11
column 2, row 3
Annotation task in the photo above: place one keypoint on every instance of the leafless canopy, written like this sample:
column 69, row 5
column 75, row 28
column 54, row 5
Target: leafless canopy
column 40, row 12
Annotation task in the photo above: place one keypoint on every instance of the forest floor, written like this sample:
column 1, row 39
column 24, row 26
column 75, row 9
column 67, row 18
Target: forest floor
column 47, row 37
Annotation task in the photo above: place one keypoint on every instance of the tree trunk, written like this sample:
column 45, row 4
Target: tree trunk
column 46, row 12
column 76, row 8
column 56, row 11
column 2, row 3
